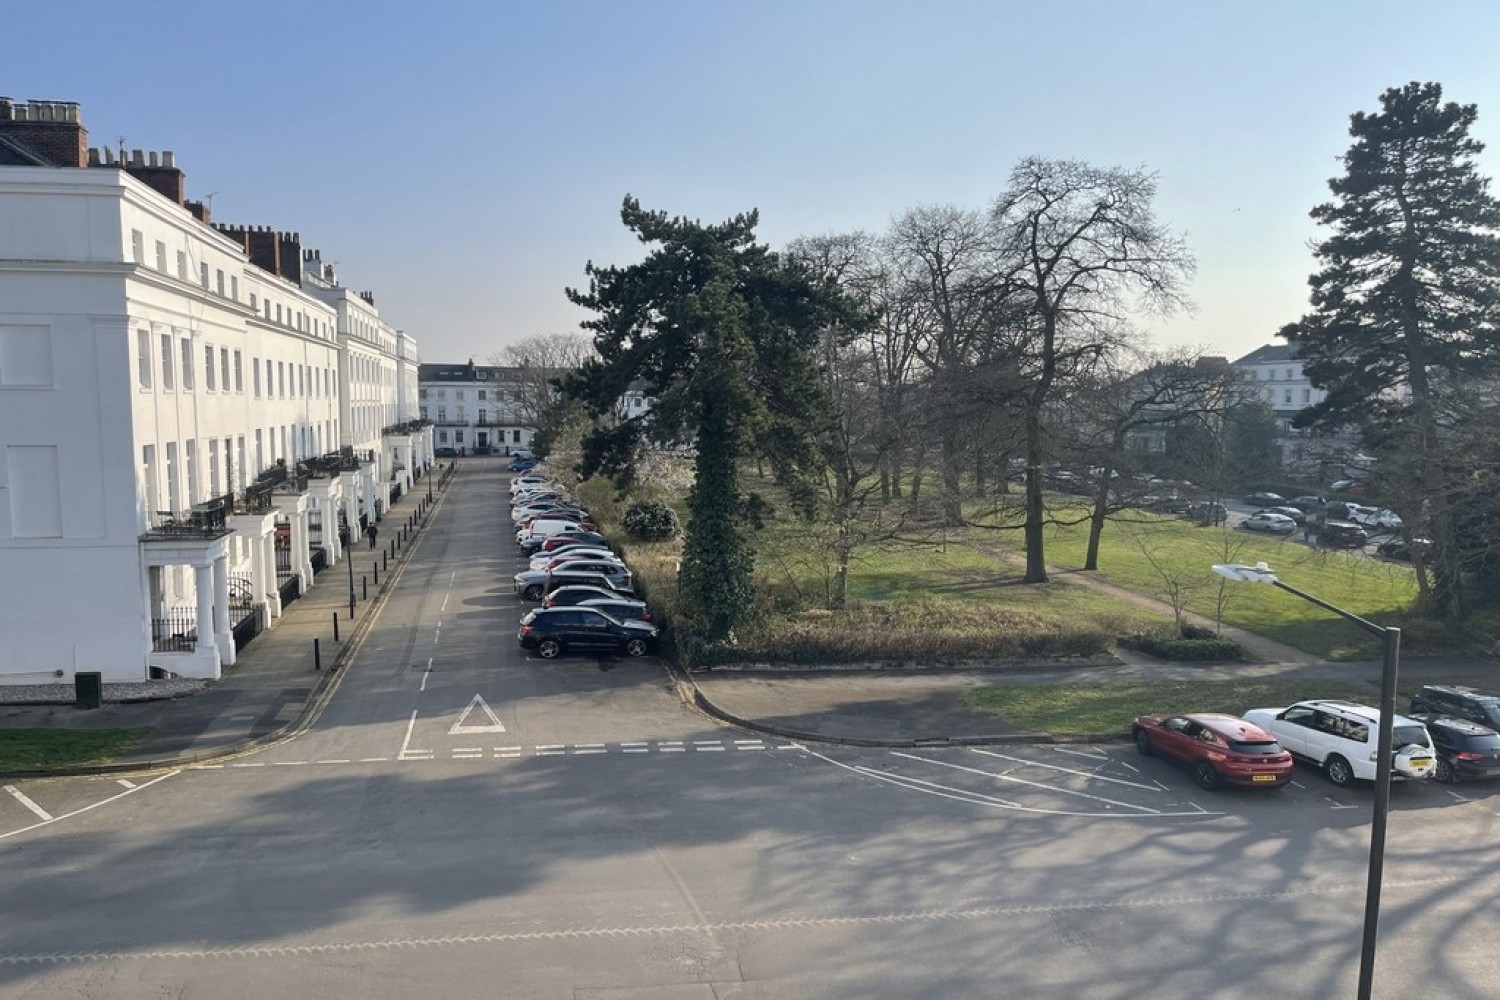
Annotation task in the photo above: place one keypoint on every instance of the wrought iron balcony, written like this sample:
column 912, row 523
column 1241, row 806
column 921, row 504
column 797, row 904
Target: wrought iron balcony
column 207, row 521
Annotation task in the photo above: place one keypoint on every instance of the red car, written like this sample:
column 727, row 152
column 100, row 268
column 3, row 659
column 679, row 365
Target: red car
column 1221, row 749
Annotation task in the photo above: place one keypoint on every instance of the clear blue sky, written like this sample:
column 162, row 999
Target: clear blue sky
column 464, row 159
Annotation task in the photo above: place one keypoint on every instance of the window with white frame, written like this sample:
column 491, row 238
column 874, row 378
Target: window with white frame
column 161, row 256
column 224, row 368
column 167, row 358
column 182, row 268
column 239, row 372
column 138, row 246
column 143, row 358
column 208, row 367
column 255, row 376
column 187, row 363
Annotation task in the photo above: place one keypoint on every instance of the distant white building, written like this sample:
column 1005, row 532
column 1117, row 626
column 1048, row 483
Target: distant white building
column 186, row 415
column 1276, row 374
column 475, row 409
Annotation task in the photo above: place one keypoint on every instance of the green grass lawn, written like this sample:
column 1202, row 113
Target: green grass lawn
column 1182, row 551
column 24, row 749
column 1083, row 709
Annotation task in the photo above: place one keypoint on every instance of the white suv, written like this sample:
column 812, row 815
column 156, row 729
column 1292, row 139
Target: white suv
column 1341, row 738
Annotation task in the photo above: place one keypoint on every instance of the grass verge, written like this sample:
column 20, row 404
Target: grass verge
column 1081, row 709
column 24, row 749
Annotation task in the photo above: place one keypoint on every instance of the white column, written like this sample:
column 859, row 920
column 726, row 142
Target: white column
column 300, row 561
column 222, row 633
column 267, row 562
column 203, row 580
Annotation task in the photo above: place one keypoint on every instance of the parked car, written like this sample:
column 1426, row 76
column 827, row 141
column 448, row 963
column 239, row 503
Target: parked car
column 528, row 481
column 618, row 608
column 1308, row 504
column 1221, row 749
column 543, row 527
column 1205, row 512
column 571, row 538
column 577, row 593
column 1378, row 518
column 445, row 453
column 554, row 631
column 533, row 585
column 543, row 560
column 1296, row 514
column 1276, row 524
column 536, row 534
column 1400, row 548
column 1265, row 499
column 1343, row 486
column 1339, row 535
column 1341, row 738
column 1463, row 702
column 1465, row 749
column 521, row 464
column 1166, row 505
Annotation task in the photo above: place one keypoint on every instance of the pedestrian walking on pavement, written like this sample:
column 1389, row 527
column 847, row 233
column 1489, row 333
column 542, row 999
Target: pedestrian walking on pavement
column 370, row 533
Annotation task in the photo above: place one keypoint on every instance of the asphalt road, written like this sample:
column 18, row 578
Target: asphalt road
column 466, row 821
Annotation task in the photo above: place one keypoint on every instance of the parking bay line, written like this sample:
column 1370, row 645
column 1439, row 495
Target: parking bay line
column 1067, row 770
column 25, row 800
column 1035, row 784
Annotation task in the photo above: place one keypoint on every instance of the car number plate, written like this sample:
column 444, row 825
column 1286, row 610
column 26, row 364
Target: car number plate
column 1263, row 777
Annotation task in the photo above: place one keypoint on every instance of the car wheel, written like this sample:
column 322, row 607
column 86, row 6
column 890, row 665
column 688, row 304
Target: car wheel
column 1337, row 770
column 1143, row 743
column 1206, row 776
column 533, row 592
column 548, row 648
column 1443, row 772
column 635, row 647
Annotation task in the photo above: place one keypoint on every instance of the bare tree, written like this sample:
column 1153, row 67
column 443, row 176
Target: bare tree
column 1082, row 244
column 538, row 362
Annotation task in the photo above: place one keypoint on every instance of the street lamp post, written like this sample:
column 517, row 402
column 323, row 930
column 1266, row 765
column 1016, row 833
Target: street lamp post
column 1390, row 639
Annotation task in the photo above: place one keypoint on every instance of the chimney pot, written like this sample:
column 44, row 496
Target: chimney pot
column 169, row 159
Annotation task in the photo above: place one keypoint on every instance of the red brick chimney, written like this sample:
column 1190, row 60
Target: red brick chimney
column 50, row 130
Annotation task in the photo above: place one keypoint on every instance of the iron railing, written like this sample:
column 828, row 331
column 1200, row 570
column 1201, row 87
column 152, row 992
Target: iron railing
column 176, row 633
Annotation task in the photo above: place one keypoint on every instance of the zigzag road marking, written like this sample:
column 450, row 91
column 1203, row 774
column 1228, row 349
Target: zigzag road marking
column 661, row 930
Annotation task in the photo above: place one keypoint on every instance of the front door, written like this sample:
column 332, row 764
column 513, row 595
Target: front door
column 484, row 439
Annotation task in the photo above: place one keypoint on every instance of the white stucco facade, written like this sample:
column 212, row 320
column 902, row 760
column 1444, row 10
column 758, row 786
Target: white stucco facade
column 164, row 403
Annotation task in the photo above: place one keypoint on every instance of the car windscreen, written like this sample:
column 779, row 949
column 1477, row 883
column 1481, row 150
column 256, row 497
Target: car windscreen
column 1404, row 735
column 1259, row 747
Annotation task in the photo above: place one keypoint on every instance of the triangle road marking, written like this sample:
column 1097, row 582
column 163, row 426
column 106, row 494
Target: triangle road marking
column 460, row 729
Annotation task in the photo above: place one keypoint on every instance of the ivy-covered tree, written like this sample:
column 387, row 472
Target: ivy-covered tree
column 1405, row 298
column 724, row 333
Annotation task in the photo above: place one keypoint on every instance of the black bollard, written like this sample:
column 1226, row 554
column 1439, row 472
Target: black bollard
column 376, row 569
column 317, row 655
column 335, row 626
column 364, row 588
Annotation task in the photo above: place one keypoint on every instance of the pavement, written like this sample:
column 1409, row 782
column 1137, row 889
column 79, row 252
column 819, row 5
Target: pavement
column 274, row 691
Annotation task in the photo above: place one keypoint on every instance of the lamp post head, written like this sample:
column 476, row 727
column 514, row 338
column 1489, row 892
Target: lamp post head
column 1259, row 573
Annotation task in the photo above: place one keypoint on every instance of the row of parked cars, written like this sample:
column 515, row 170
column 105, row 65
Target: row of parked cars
column 586, row 592
column 1451, row 734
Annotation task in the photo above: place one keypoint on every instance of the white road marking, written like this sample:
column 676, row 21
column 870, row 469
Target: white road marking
column 977, row 798
column 289, row 763
column 249, row 763
column 1090, row 754
column 1296, row 784
column 1456, row 796
column 445, row 603
column 125, row 782
column 708, row 749
column 707, row 743
column 93, row 805
column 551, row 746
column 637, row 749
column 468, row 749
column 373, row 760
column 672, row 749
column 410, row 725
column 1033, row 784
column 505, row 749
column 460, row 728
column 339, row 760
column 587, row 746
column 425, row 675
column 635, row 744
column 578, row 753
column 1066, row 770
column 669, row 743
column 25, row 800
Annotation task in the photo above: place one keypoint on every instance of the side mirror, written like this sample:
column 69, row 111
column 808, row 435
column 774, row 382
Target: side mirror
column 1280, row 715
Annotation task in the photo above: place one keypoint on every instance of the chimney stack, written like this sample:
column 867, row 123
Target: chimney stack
column 52, row 131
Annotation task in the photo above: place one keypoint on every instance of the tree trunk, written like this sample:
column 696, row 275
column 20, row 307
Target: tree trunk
column 1096, row 523
column 952, row 459
column 1036, row 560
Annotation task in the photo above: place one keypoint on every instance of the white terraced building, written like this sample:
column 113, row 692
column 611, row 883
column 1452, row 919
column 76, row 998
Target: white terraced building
column 188, row 412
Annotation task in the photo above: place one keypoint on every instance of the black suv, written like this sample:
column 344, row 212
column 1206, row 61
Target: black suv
column 1463, row 702
column 1341, row 535
column 551, row 631
column 1465, row 750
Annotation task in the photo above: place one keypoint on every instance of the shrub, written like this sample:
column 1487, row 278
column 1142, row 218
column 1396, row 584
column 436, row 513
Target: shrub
column 650, row 521
column 1196, row 645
